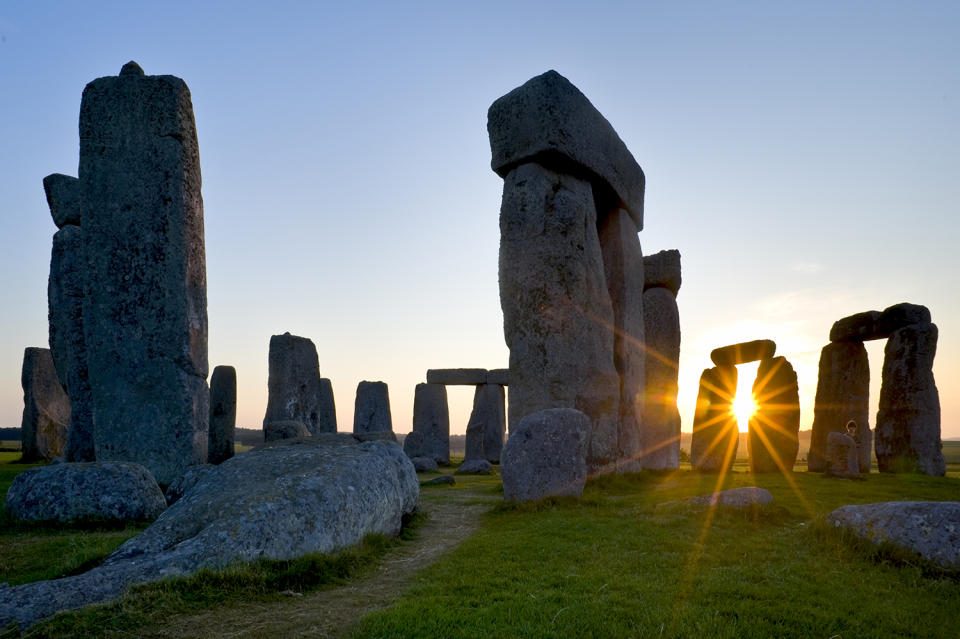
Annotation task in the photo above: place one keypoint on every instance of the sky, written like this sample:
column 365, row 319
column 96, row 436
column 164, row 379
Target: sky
column 803, row 157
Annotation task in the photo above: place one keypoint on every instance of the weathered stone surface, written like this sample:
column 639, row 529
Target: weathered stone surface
column 715, row 434
column 371, row 411
column 293, row 383
column 661, row 418
column 842, row 458
column 623, row 267
column 326, row 408
column 475, row 467
column 930, row 529
column 773, row 439
column 185, row 482
column 745, row 497
column 46, row 407
column 121, row 491
column 743, row 352
column 287, row 429
column 63, row 198
column 223, row 414
column 424, row 464
column 549, row 121
column 457, row 376
column 557, row 312
column 499, row 376
column 859, row 327
column 280, row 501
column 487, row 425
column 442, row 480
column 662, row 270
column 413, row 444
column 546, row 455
column 431, row 418
column 900, row 316
column 908, row 417
column 67, row 344
column 843, row 389
column 145, row 307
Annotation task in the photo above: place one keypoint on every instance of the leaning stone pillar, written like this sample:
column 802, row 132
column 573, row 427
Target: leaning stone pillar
column 715, row 434
column 773, row 438
column 145, row 303
column 843, row 390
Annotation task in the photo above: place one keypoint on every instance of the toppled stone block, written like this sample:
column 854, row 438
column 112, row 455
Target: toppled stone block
column 424, row 464
column 475, row 467
column 186, row 482
column 662, row 270
column 745, row 497
column 859, row 327
column 431, row 419
column 46, row 407
column 442, row 480
column 457, row 376
column 661, row 418
column 743, row 352
column 114, row 491
column 371, row 412
column 223, row 414
column 842, row 458
column 287, row 429
column 773, row 439
column 843, row 389
column 293, row 382
column 63, row 198
column 545, row 456
column 549, row 121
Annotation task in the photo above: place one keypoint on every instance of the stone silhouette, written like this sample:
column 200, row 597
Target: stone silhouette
column 293, row 382
column 842, row 458
column 743, row 352
column 773, row 438
column 46, row 408
column 487, row 424
column 431, row 419
column 223, row 414
column 326, row 408
column 371, row 412
column 715, row 436
column 843, row 388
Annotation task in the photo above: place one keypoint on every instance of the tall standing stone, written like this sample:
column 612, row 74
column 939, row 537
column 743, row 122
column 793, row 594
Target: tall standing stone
column 487, row 425
column 223, row 414
column 908, row 418
column 715, row 433
column 145, row 303
column 623, row 268
column 843, row 393
column 46, row 407
column 431, row 417
column 293, row 382
column 371, row 411
column 327, row 408
column 773, row 440
column 661, row 419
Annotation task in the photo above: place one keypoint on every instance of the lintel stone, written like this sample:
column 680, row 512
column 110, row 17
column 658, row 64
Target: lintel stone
column 457, row 376
column 743, row 352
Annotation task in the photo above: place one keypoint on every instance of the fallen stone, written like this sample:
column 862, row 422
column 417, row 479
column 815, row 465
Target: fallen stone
column 279, row 501
column 843, row 394
column 557, row 312
column 442, row 480
column 223, row 414
column 545, row 456
column 908, row 415
column 773, row 438
column 431, row 418
column 293, row 382
column 931, row 529
column 457, row 376
column 499, row 376
column 326, row 408
column 413, row 444
column 487, row 425
column 549, row 121
column 743, row 352
column 661, row 418
column 736, row 498
column 289, row 429
column 842, row 458
column 145, row 309
column 857, row 328
column 900, row 316
column 424, row 464
column 46, row 407
column 65, row 292
column 475, row 467
column 185, row 483
column 371, row 411
column 63, row 198
column 713, row 447
column 662, row 270
column 113, row 491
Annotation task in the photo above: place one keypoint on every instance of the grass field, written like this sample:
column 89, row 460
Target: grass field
column 625, row 561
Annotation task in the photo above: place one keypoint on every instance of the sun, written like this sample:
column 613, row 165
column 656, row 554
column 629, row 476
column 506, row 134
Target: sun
column 744, row 407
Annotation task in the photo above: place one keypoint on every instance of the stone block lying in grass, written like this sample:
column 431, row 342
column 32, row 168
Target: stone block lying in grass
column 745, row 497
column 475, row 467
column 546, row 456
column 112, row 491
column 279, row 501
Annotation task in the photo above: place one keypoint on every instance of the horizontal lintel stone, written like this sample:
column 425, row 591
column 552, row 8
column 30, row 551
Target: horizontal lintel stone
column 743, row 352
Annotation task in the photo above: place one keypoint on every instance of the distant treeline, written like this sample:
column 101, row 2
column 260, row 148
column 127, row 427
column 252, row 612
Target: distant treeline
column 9, row 434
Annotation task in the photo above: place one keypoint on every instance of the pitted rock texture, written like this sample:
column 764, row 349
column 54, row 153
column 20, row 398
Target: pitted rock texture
column 288, row 429
column 545, row 456
column 661, row 418
column 745, row 497
column 843, row 394
column 930, row 529
column 185, row 482
column 119, row 491
column 549, row 121
column 63, row 198
column 293, row 383
column 145, row 304
column 431, row 418
column 487, row 425
column 46, row 407
column 715, row 435
column 773, row 439
column 223, row 414
column 662, row 270
column 278, row 501
column 371, row 411
column 743, row 352
column 842, row 459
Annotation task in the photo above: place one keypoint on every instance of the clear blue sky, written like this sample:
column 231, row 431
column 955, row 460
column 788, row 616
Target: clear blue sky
column 804, row 158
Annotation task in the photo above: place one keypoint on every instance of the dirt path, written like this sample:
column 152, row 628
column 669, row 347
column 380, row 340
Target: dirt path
column 332, row 612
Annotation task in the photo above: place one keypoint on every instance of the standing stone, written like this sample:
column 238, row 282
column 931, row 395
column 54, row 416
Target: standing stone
column 326, row 408
column 556, row 306
column 661, row 418
column 908, row 419
column 473, row 442
column 623, row 268
column 843, row 393
column 67, row 344
column 715, row 434
column 145, row 303
column 431, row 418
column 662, row 270
column 842, row 457
column 293, row 382
column 773, row 440
column 487, row 425
column 46, row 407
column 371, row 411
column 223, row 414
